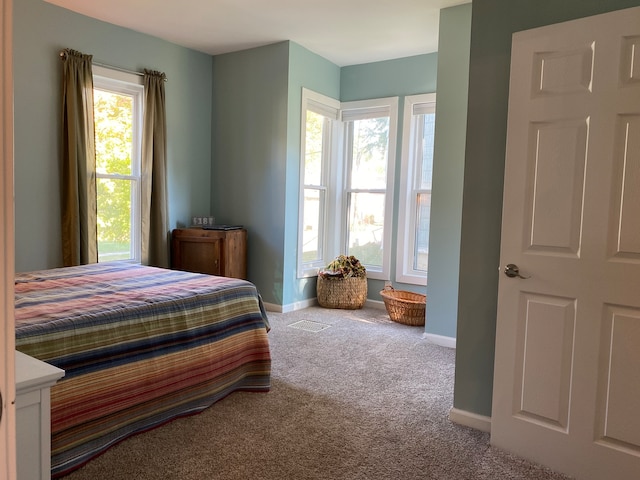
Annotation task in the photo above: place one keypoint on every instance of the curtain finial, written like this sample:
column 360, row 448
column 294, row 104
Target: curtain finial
column 68, row 52
column 156, row 73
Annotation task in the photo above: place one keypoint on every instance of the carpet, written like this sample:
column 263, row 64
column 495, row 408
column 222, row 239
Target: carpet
column 354, row 396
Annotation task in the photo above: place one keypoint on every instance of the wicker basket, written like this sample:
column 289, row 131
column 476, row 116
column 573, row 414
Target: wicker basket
column 404, row 307
column 347, row 293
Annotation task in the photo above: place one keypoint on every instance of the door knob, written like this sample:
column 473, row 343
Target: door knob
column 512, row 271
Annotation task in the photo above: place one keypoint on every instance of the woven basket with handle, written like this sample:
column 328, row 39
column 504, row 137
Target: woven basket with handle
column 404, row 307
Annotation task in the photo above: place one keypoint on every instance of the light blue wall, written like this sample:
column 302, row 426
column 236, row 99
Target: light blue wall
column 41, row 30
column 243, row 173
column 256, row 156
column 262, row 87
column 448, row 170
column 400, row 77
column 306, row 69
column 248, row 176
column 493, row 23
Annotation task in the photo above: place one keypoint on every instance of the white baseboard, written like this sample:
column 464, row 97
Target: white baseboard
column 470, row 419
column 292, row 307
column 449, row 342
column 311, row 302
column 272, row 307
column 379, row 304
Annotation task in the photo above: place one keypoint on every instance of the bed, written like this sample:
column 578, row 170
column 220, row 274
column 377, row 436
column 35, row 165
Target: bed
column 139, row 345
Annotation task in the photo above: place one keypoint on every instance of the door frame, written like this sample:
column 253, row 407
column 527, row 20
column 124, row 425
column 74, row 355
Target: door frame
column 7, row 262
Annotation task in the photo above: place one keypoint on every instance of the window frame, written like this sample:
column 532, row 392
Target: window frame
column 407, row 216
column 329, row 108
column 362, row 109
column 335, row 170
column 125, row 83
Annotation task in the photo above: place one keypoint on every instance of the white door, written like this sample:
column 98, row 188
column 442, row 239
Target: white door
column 7, row 342
column 567, row 361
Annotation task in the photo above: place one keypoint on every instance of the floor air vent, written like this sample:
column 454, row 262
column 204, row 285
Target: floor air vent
column 309, row 326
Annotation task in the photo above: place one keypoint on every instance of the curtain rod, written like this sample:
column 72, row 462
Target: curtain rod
column 119, row 69
column 112, row 67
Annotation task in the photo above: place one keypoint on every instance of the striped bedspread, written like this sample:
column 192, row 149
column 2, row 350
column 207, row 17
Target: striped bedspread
column 139, row 345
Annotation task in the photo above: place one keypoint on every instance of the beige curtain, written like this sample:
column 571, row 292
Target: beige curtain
column 79, row 211
column 155, row 225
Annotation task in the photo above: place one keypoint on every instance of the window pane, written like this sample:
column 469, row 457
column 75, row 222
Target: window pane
column 369, row 153
column 114, row 219
column 313, row 149
column 113, row 117
column 425, row 172
column 421, row 253
column 311, row 230
column 366, row 227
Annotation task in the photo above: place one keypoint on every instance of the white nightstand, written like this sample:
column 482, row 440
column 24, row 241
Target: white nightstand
column 34, row 379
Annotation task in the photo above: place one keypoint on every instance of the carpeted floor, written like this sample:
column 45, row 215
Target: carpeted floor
column 354, row 396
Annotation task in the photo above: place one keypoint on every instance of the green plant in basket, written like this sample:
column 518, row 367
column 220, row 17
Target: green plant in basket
column 344, row 266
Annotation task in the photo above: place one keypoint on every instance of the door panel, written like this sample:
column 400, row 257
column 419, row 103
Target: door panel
column 563, row 72
column 556, row 185
column 619, row 385
column 543, row 376
column 626, row 196
column 629, row 64
column 566, row 383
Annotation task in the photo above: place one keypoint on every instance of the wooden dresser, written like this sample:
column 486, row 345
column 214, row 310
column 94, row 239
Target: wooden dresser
column 216, row 252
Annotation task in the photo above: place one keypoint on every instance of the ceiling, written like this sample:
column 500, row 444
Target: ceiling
column 345, row 32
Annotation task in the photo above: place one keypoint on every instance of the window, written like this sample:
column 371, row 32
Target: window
column 318, row 134
column 346, row 182
column 416, row 180
column 118, row 127
column 369, row 133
